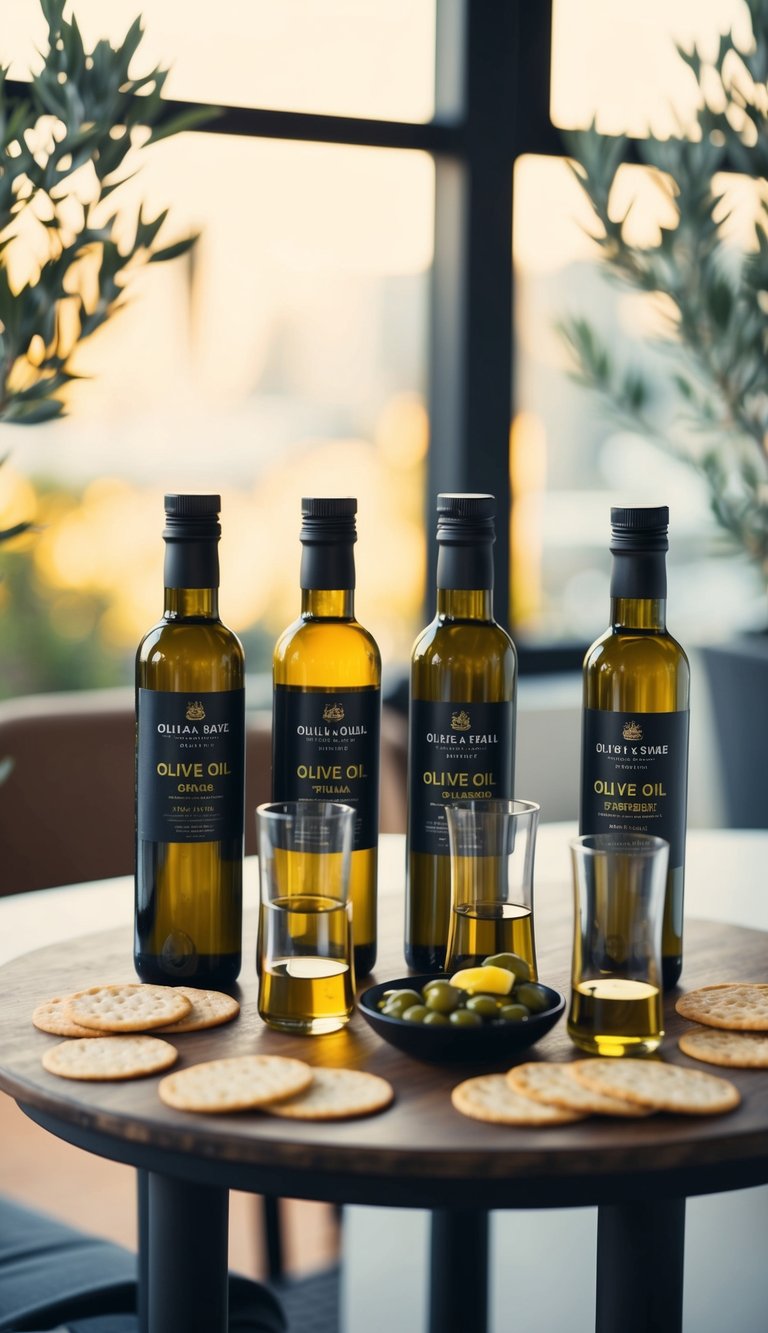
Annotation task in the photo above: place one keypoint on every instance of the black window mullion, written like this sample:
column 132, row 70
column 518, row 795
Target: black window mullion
column 471, row 322
column 438, row 135
column 505, row 112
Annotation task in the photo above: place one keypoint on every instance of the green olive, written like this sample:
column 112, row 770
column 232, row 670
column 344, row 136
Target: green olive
column 464, row 1018
column 512, row 962
column 533, row 996
column 435, row 1019
column 513, row 1013
column 399, row 1001
column 415, row 1014
column 442, row 997
column 487, row 1006
column 396, row 1008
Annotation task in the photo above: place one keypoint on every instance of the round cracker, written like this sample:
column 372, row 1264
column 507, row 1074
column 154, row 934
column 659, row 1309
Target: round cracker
column 737, row 1050
column 107, row 1058
column 337, row 1094
column 130, row 1007
column 660, row 1086
column 53, row 1016
column 237, row 1083
column 555, row 1085
column 209, row 1009
column 490, row 1097
column 737, row 1005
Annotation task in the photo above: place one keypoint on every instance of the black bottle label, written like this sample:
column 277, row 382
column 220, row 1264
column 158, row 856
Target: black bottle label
column 190, row 766
column 325, row 747
column 634, row 775
column 458, row 752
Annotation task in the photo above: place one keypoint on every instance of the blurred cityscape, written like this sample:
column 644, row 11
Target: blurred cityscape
column 287, row 355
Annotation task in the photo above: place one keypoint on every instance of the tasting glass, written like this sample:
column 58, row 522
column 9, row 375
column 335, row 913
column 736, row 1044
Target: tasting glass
column 304, row 953
column 492, row 847
column 619, row 882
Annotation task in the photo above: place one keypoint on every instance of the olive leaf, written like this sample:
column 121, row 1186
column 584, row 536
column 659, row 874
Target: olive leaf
column 715, row 299
column 103, row 117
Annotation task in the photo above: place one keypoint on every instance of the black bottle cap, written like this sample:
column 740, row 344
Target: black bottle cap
column 328, row 519
column 192, row 516
column 640, row 529
column 466, row 517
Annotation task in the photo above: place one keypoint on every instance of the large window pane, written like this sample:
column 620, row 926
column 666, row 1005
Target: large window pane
column 616, row 60
column 570, row 459
column 346, row 57
column 285, row 357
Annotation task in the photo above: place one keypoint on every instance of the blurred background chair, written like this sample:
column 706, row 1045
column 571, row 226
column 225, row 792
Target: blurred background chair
column 66, row 805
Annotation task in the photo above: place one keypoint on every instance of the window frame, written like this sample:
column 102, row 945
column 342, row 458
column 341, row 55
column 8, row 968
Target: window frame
column 492, row 105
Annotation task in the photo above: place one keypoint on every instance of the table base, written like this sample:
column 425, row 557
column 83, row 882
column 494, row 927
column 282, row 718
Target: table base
column 640, row 1266
column 183, row 1241
column 458, row 1283
column 183, row 1256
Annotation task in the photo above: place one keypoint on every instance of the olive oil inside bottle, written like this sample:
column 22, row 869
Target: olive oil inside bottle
column 462, row 717
column 635, row 717
column 189, row 767
column 327, row 702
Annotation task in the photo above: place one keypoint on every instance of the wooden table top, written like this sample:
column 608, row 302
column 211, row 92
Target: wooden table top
column 420, row 1152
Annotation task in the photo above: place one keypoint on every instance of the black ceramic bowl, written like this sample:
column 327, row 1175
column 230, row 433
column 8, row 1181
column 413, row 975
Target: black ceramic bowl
column 489, row 1043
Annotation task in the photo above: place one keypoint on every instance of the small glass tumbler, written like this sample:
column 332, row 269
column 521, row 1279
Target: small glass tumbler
column 305, row 959
column 616, row 984
column 492, row 847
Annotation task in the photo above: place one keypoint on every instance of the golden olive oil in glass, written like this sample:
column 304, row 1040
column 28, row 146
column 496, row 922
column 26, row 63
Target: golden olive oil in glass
column 307, row 983
column 481, row 929
column 189, row 767
column 635, row 719
column 462, row 716
column 327, row 703
column 616, row 1016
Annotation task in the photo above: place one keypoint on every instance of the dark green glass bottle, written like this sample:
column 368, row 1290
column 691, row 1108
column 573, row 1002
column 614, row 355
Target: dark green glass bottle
column 634, row 771
column 462, row 716
column 190, row 709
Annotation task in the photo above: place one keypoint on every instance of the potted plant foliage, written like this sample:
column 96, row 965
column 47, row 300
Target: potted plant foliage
column 69, row 137
column 712, row 299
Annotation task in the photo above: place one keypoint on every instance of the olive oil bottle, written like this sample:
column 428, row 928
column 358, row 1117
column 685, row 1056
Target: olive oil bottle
column 190, row 737
column 462, row 716
column 327, row 703
column 634, row 764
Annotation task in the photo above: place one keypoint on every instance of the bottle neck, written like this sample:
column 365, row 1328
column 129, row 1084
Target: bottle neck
column 328, row 579
column 191, row 578
column 191, row 603
column 327, row 603
column 639, row 591
column 465, row 580
column 639, row 613
column 465, row 603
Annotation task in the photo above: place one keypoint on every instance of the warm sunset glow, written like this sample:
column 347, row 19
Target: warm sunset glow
column 287, row 355
column 616, row 60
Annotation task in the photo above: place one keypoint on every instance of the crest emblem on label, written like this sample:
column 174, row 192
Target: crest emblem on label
column 195, row 711
column 460, row 721
column 632, row 732
column 333, row 713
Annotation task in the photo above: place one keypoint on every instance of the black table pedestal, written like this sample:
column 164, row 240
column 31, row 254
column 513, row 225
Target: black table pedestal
column 187, row 1256
column 640, row 1267
column 458, row 1284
